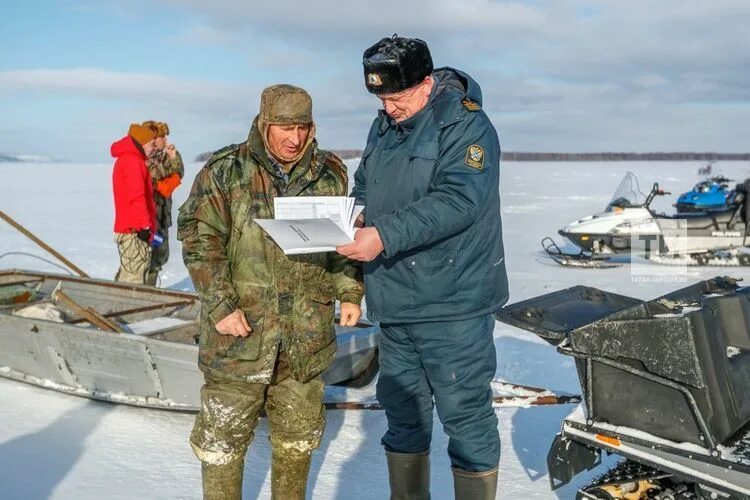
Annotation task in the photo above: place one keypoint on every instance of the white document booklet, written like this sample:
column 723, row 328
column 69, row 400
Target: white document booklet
column 310, row 224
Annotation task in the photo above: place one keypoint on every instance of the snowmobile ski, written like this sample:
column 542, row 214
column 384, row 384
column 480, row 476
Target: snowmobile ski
column 581, row 259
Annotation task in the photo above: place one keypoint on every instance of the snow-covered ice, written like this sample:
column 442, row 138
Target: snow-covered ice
column 58, row 446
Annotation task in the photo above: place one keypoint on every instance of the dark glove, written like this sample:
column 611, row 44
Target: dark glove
column 144, row 235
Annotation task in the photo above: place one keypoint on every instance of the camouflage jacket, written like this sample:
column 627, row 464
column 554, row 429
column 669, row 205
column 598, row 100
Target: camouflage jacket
column 288, row 300
column 160, row 166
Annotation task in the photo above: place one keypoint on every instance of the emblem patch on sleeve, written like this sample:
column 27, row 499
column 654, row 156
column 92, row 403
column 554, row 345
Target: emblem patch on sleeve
column 475, row 156
column 471, row 105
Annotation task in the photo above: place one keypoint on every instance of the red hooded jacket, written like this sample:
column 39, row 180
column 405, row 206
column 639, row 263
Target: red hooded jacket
column 131, row 184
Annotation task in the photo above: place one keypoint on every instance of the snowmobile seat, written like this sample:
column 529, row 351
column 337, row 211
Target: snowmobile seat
column 717, row 220
column 553, row 316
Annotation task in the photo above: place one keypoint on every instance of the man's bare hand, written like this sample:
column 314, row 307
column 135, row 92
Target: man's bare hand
column 350, row 314
column 234, row 324
column 171, row 151
column 366, row 246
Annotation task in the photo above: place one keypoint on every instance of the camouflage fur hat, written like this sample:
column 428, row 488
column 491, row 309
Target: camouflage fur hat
column 284, row 104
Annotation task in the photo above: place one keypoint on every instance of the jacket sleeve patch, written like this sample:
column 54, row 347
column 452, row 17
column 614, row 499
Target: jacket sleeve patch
column 475, row 156
column 471, row 105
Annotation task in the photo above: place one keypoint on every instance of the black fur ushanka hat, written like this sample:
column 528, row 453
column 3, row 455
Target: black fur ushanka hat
column 395, row 64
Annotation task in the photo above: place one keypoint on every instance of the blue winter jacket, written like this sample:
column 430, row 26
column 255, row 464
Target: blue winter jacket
column 430, row 185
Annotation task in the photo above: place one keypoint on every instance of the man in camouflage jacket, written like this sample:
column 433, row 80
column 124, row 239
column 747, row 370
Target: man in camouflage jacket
column 267, row 319
column 167, row 170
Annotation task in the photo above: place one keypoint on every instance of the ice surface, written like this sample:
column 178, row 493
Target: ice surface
column 58, row 446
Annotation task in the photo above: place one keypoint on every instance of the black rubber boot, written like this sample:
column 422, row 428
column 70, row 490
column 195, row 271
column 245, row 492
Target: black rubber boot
column 409, row 475
column 474, row 485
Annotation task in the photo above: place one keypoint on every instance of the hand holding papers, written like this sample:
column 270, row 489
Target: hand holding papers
column 310, row 224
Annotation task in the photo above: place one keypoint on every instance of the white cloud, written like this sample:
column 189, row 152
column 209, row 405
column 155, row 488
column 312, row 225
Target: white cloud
column 573, row 76
column 347, row 17
column 203, row 115
column 98, row 83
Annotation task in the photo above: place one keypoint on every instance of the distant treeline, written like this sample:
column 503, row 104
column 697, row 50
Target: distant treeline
column 524, row 156
column 348, row 154
column 204, row 156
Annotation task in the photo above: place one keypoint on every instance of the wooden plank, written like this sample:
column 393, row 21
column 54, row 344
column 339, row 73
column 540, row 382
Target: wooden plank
column 112, row 324
column 91, row 316
column 136, row 310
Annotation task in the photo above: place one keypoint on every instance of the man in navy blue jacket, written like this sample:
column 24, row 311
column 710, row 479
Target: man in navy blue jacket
column 434, row 264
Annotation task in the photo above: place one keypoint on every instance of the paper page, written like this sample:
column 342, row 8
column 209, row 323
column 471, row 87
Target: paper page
column 313, row 207
column 296, row 236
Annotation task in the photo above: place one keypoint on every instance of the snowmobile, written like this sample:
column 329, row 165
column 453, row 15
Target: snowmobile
column 710, row 194
column 666, row 389
column 628, row 226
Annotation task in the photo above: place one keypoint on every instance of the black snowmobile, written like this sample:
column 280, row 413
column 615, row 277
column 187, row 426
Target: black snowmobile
column 666, row 387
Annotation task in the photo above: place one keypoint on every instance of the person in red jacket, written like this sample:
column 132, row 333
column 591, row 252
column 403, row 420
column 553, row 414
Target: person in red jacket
column 135, row 213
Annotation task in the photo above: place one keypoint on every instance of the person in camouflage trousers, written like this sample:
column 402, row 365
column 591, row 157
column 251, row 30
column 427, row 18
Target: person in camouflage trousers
column 266, row 323
column 167, row 170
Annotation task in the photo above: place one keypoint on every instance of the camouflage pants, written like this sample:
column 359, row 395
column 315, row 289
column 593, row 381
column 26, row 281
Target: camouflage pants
column 159, row 258
column 225, row 425
column 135, row 258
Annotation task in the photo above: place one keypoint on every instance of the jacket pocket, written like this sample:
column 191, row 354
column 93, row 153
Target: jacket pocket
column 216, row 347
column 253, row 302
column 433, row 275
column 321, row 306
column 314, row 316
column 426, row 150
column 422, row 164
column 313, row 343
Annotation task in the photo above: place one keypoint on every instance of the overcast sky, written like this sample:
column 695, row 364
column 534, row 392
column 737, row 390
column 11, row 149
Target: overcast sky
column 627, row 75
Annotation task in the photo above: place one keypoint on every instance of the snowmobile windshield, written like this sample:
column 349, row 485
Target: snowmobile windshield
column 627, row 194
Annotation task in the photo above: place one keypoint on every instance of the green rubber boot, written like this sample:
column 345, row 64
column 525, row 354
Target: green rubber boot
column 289, row 471
column 222, row 482
column 409, row 475
column 474, row 485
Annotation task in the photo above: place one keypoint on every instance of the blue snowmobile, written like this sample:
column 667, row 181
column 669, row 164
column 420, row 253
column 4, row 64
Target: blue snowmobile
column 711, row 194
